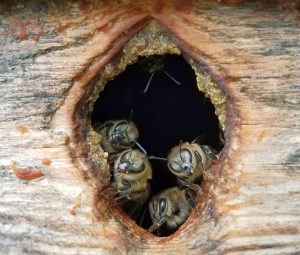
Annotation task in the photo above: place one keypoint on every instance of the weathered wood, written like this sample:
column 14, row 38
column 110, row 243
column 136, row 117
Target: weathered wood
column 48, row 60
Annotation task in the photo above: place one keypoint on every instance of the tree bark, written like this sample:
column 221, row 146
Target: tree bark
column 47, row 60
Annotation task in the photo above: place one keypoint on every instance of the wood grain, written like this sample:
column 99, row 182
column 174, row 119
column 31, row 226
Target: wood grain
column 48, row 59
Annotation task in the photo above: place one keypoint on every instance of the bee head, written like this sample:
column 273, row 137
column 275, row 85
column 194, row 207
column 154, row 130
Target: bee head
column 181, row 161
column 153, row 64
column 160, row 212
column 124, row 133
column 131, row 161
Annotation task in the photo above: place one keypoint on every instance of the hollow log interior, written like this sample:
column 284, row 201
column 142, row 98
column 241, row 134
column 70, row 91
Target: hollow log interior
column 165, row 114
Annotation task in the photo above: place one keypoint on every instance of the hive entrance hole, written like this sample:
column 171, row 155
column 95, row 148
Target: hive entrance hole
column 164, row 115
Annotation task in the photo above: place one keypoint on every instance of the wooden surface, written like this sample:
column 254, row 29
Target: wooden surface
column 46, row 204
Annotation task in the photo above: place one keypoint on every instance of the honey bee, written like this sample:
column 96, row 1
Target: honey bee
column 118, row 135
column 189, row 161
column 153, row 64
column 132, row 172
column 170, row 208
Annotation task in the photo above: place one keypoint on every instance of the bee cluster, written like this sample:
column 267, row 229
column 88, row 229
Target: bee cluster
column 158, row 193
column 131, row 170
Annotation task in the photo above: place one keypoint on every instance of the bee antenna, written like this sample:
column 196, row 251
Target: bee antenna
column 127, row 129
column 180, row 143
column 200, row 139
column 131, row 114
column 148, row 83
column 171, row 77
column 98, row 126
column 158, row 158
column 140, row 147
column 119, row 198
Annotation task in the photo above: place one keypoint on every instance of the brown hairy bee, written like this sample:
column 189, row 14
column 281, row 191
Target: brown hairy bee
column 188, row 162
column 118, row 135
column 132, row 172
column 170, row 208
column 153, row 64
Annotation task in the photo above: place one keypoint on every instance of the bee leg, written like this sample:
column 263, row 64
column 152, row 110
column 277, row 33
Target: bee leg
column 171, row 77
column 120, row 200
column 135, row 212
column 109, row 192
column 198, row 157
column 182, row 182
column 158, row 232
column 192, row 194
column 192, row 203
column 143, row 216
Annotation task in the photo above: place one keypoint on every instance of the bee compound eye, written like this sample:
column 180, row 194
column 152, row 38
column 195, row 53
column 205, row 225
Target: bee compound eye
column 162, row 205
column 175, row 166
column 186, row 155
column 123, row 166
